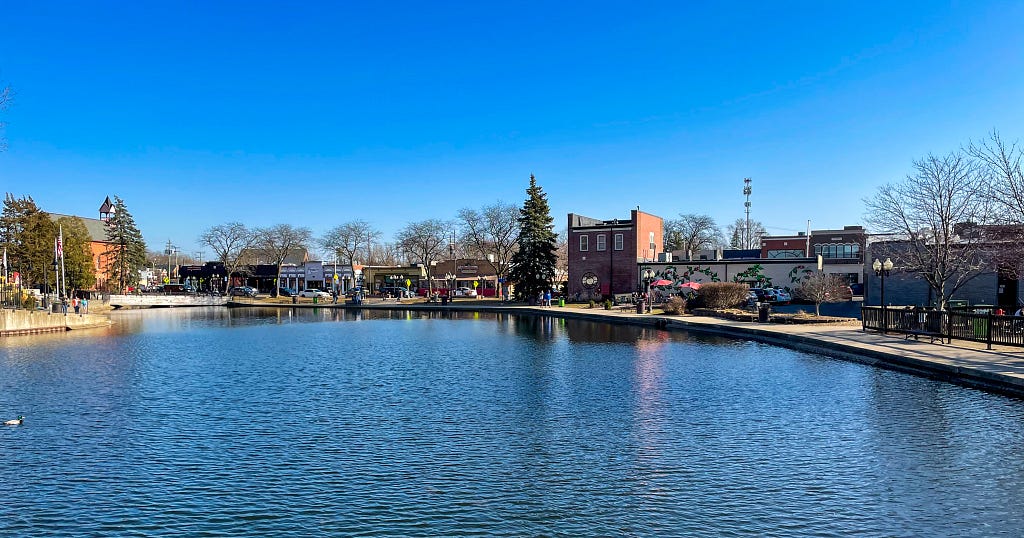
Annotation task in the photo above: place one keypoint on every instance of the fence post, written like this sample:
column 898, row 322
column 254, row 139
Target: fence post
column 988, row 337
column 948, row 314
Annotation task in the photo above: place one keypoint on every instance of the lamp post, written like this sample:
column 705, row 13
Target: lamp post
column 882, row 270
column 450, row 282
column 648, row 277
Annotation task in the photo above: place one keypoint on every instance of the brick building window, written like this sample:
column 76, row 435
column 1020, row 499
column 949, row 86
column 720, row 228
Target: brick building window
column 653, row 248
column 618, row 241
column 602, row 242
column 584, row 243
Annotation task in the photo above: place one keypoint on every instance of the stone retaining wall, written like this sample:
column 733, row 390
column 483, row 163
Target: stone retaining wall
column 15, row 322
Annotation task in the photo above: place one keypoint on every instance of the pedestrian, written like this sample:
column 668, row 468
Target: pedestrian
column 85, row 305
column 74, row 304
column 547, row 298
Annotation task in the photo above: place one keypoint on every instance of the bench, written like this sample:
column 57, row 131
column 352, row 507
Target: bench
column 932, row 335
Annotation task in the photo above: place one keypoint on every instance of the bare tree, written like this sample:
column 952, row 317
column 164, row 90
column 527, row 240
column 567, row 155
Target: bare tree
column 932, row 216
column 739, row 238
column 562, row 258
column 425, row 242
column 690, row 233
column 229, row 242
column 823, row 288
column 278, row 242
column 350, row 241
column 385, row 254
column 492, row 233
column 1001, row 166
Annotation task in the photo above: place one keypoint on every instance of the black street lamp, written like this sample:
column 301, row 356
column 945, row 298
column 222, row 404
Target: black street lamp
column 648, row 276
column 882, row 270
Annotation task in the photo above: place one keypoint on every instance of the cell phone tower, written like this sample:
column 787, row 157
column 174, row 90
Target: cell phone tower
column 746, row 193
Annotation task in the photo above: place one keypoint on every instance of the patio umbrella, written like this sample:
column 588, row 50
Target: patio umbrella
column 661, row 282
column 692, row 285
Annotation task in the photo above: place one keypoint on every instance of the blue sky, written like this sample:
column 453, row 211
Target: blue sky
column 198, row 113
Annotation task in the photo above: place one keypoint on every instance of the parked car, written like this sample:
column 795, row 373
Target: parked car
column 313, row 292
column 465, row 292
column 394, row 291
column 287, row 292
column 764, row 295
column 242, row 291
column 782, row 296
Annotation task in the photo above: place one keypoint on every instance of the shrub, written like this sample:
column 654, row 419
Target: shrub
column 722, row 294
column 675, row 305
column 607, row 304
column 591, row 304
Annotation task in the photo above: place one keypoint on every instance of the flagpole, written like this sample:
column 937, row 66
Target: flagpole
column 56, row 274
column 60, row 243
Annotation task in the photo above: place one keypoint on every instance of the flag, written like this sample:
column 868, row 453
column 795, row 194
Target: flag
column 5, row 261
column 60, row 244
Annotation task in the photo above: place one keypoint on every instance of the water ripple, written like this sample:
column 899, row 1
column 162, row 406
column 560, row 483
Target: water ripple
column 216, row 423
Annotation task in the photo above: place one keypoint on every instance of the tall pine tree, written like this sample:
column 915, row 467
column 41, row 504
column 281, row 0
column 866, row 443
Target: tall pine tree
column 127, row 251
column 533, row 266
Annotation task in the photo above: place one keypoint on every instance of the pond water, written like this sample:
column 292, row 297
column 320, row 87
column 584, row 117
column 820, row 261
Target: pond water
column 216, row 422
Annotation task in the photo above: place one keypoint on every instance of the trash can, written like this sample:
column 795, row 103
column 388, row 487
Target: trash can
column 639, row 307
column 295, row 299
column 980, row 325
column 561, row 301
column 763, row 310
column 316, row 299
column 444, row 300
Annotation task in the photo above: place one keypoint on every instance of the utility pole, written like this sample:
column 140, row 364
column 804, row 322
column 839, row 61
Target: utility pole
column 746, row 193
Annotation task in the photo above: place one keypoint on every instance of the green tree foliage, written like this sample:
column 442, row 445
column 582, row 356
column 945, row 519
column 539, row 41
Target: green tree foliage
column 127, row 250
column 28, row 235
column 79, row 268
column 533, row 266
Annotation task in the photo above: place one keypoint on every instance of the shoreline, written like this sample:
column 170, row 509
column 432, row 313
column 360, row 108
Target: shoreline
column 999, row 370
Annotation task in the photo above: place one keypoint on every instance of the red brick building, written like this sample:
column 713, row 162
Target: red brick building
column 604, row 254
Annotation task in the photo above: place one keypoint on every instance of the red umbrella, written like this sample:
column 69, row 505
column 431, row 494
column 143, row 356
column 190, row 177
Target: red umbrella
column 661, row 282
column 692, row 285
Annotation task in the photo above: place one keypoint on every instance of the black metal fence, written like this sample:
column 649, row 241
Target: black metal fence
column 974, row 325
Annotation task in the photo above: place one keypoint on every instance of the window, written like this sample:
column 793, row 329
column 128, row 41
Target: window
column 832, row 250
column 618, row 241
column 602, row 242
column 652, row 241
column 584, row 243
column 786, row 253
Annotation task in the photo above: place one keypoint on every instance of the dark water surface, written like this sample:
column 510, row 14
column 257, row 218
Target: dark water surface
column 209, row 422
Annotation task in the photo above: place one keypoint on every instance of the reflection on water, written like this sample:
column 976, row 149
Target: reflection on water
column 297, row 422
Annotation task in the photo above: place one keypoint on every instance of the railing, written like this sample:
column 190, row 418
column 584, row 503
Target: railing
column 947, row 325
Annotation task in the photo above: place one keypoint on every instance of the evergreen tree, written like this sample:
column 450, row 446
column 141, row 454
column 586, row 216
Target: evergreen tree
column 533, row 266
column 27, row 233
column 127, row 251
